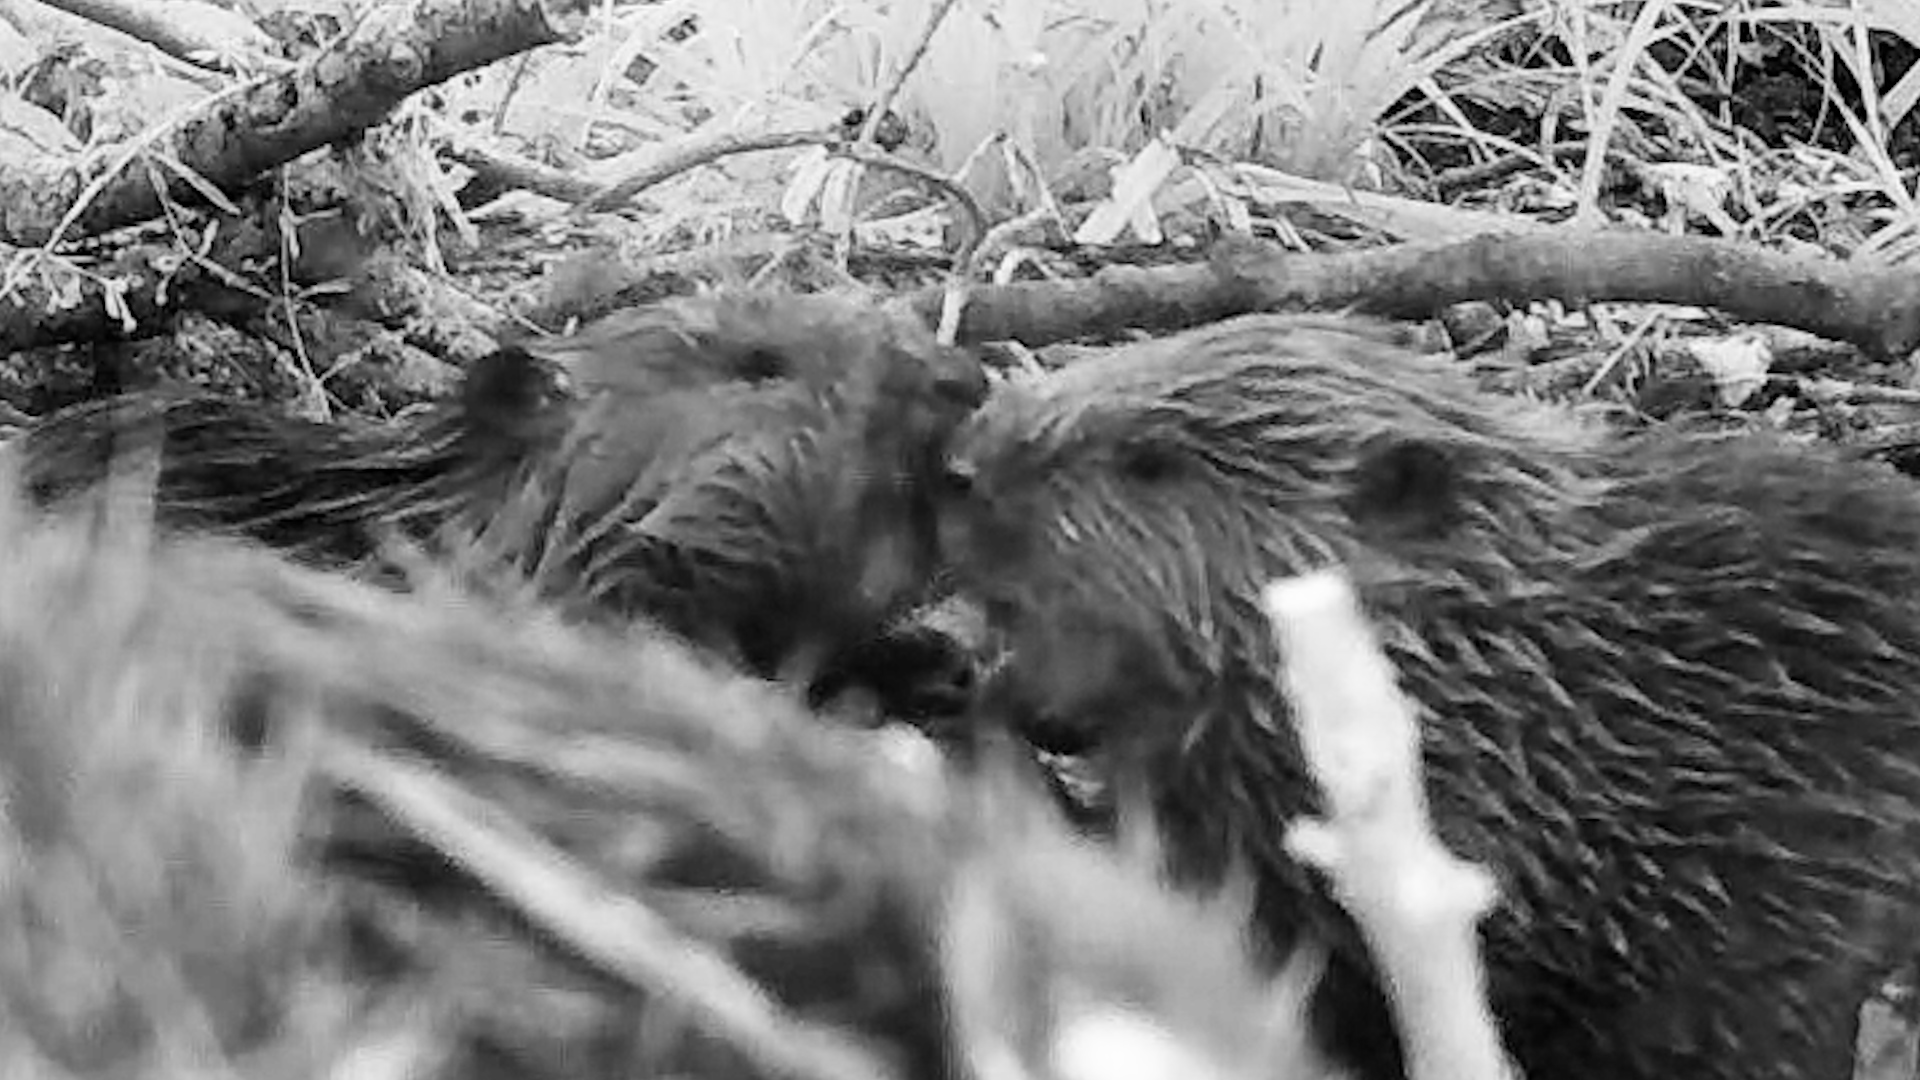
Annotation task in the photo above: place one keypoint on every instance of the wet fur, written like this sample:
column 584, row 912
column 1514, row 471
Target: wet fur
column 739, row 467
column 1669, row 681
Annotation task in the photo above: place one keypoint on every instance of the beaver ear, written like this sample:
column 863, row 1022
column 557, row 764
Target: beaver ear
column 1407, row 485
column 762, row 364
column 510, row 396
column 1149, row 463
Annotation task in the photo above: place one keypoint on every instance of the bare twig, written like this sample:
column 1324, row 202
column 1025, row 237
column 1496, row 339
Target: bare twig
column 891, row 91
column 691, row 153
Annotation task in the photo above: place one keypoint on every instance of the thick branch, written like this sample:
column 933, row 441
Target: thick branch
column 1874, row 307
column 352, row 85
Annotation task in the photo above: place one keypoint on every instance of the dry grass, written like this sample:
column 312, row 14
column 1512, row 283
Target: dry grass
column 1761, row 119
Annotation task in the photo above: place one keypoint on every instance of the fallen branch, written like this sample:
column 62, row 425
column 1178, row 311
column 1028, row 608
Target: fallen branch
column 1874, row 307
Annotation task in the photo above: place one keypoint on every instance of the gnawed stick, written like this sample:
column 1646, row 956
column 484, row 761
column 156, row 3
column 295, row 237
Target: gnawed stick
column 1416, row 903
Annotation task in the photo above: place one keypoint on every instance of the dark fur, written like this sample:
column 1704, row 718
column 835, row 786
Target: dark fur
column 736, row 466
column 1670, row 683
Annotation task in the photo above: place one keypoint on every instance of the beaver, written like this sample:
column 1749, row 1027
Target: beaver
column 1667, row 678
column 624, row 829
column 736, row 466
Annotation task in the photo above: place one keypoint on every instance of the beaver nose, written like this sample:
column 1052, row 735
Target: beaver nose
column 947, row 676
column 920, row 672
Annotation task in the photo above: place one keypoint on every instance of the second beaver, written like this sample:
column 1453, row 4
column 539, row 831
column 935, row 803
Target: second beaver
column 1668, row 681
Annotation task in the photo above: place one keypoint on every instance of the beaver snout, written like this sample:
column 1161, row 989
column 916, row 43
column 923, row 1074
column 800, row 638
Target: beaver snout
column 924, row 668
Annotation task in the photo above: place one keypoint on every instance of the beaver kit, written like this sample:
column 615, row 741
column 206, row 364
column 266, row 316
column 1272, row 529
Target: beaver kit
column 1667, row 680
column 735, row 466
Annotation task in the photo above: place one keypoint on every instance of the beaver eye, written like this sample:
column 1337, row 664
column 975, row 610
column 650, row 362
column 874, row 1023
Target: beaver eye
column 761, row 365
column 1149, row 464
